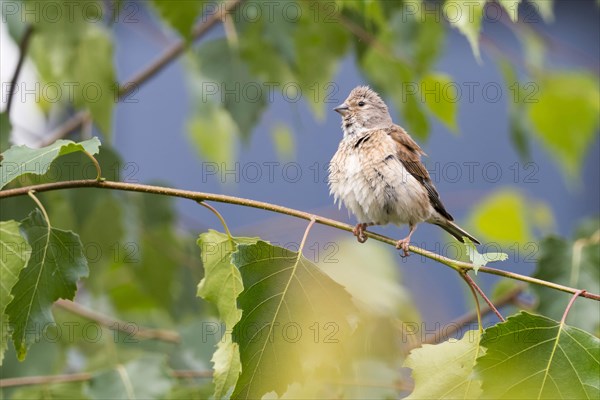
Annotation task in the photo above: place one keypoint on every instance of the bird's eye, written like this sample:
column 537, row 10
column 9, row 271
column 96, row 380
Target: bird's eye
column 361, row 103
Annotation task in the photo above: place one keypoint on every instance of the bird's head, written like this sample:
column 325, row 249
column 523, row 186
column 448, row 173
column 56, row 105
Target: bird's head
column 363, row 110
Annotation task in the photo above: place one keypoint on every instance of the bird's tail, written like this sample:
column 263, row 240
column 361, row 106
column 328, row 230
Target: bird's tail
column 456, row 231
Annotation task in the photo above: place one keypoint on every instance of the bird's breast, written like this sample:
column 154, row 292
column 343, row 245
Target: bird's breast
column 373, row 184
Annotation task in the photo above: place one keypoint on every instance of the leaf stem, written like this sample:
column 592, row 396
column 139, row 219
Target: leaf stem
column 470, row 283
column 96, row 164
column 220, row 198
column 31, row 193
column 482, row 294
column 218, row 214
column 308, row 228
column 571, row 302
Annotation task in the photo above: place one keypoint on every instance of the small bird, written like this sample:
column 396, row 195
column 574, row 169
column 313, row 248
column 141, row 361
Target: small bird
column 378, row 174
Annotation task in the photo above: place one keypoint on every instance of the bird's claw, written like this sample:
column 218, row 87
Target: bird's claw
column 359, row 232
column 403, row 244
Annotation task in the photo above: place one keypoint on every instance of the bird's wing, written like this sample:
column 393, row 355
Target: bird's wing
column 409, row 153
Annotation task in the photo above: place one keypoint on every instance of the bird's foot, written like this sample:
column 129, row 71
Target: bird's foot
column 402, row 244
column 359, row 232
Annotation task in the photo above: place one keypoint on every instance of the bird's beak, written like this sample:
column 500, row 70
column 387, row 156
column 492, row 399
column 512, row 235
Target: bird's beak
column 342, row 109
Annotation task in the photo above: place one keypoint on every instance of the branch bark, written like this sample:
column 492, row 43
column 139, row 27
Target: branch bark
column 86, row 376
column 220, row 198
column 23, row 46
column 122, row 326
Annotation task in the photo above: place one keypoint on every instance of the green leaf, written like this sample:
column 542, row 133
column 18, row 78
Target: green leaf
column 544, row 8
column 507, row 217
column 213, row 132
column 444, row 371
column 531, row 356
column 180, row 14
column 221, row 285
column 429, row 40
column 283, row 139
column 59, row 391
column 56, row 264
column 573, row 263
column 466, row 15
column 441, row 98
column 319, row 46
column 73, row 53
column 284, row 296
column 480, row 260
column 144, row 378
column 5, row 130
column 562, row 96
column 370, row 275
column 512, row 8
column 404, row 90
column 21, row 160
column 534, row 51
column 227, row 80
column 95, row 75
column 519, row 130
column 14, row 255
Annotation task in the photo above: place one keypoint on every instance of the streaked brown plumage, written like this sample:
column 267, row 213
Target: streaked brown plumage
column 378, row 175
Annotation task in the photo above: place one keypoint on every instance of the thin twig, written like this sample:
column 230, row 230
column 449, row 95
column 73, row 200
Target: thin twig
column 23, row 46
column 122, row 326
column 471, row 282
column 148, row 72
column 190, row 373
column 85, row 376
column 176, row 50
column 44, row 380
column 221, row 198
column 477, row 306
column 450, row 329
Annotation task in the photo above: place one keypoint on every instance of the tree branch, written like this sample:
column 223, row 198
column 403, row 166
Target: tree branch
column 450, row 329
column 22, row 52
column 86, row 376
column 144, row 75
column 43, row 380
column 472, row 283
column 220, row 198
column 122, row 326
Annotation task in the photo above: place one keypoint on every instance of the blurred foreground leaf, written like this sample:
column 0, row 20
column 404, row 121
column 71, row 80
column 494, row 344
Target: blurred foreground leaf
column 57, row 391
column 144, row 378
column 444, row 371
column 294, row 320
column 14, row 255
